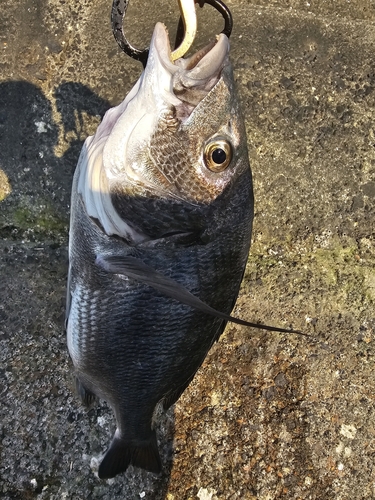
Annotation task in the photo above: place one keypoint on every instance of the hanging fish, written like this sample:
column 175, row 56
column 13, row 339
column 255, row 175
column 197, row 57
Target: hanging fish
column 161, row 217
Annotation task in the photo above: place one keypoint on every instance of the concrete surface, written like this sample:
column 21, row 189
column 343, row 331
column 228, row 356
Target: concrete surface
column 269, row 415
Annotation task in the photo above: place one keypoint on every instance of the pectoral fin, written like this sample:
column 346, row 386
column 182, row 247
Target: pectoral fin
column 136, row 269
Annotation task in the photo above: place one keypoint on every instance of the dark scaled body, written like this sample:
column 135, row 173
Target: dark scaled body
column 130, row 344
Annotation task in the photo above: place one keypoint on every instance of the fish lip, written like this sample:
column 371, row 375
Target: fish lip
column 202, row 69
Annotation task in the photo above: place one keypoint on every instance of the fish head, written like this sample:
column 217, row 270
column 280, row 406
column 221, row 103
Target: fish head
column 178, row 135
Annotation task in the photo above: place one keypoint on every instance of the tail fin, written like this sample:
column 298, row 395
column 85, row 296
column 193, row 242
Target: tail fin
column 121, row 454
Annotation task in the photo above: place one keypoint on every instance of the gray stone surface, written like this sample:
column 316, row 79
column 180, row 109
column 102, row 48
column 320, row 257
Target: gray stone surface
column 268, row 415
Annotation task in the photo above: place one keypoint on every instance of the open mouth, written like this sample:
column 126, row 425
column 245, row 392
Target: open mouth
column 191, row 78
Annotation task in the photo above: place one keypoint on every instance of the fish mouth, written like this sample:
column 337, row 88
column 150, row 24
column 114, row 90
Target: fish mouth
column 190, row 79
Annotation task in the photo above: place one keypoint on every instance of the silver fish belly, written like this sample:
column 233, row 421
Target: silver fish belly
column 162, row 209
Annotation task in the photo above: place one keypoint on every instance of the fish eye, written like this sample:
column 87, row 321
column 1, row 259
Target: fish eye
column 217, row 154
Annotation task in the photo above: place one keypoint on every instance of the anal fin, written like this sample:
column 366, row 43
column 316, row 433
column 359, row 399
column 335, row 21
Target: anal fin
column 87, row 397
column 121, row 454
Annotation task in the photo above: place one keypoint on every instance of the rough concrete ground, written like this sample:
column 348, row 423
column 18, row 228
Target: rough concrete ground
column 268, row 415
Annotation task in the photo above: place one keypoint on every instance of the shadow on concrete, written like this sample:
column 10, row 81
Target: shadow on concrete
column 33, row 273
column 29, row 135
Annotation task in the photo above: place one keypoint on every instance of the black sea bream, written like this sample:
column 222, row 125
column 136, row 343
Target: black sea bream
column 162, row 205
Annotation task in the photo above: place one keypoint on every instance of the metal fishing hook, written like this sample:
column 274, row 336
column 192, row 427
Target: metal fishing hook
column 220, row 7
column 188, row 19
column 185, row 33
column 119, row 8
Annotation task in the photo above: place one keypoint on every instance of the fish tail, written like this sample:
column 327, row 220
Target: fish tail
column 122, row 453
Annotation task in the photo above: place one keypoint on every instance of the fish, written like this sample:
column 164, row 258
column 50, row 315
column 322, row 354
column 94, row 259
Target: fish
column 161, row 219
